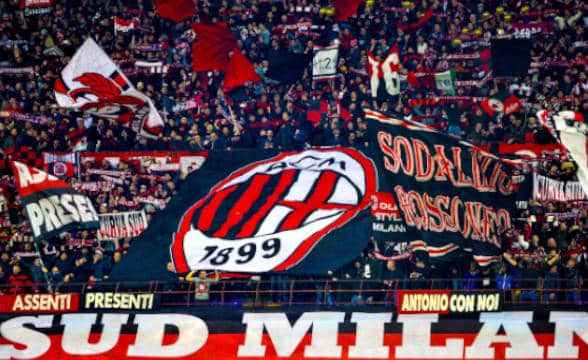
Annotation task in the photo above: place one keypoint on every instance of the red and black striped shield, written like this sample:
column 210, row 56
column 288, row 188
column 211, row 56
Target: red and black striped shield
column 269, row 215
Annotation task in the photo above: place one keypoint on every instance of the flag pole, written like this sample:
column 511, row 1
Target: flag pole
column 36, row 244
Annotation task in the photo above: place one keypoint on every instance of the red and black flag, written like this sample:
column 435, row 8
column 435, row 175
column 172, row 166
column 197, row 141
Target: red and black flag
column 52, row 205
column 299, row 213
column 61, row 164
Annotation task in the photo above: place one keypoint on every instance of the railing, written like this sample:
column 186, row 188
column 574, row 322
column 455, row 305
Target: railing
column 283, row 291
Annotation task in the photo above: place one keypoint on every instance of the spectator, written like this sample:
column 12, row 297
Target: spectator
column 202, row 284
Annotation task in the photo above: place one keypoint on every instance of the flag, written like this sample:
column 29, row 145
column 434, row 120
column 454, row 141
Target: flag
column 569, row 128
column 387, row 70
column 52, row 205
column 444, row 81
column 317, row 112
column 512, row 105
column 450, row 194
column 324, row 62
column 94, row 84
column 510, row 57
column 216, row 49
column 413, row 27
column 123, row 25
column 25, row 155
column 345, row 8
column 301, row 213
column 60, row 164
column 491, row 106
column 175, row 10
column 287, row 67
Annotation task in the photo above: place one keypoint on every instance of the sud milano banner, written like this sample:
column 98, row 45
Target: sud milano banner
column 449, row 194
column 336, row 333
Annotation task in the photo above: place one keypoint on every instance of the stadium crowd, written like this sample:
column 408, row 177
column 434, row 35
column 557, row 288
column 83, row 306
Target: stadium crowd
column 543, row 254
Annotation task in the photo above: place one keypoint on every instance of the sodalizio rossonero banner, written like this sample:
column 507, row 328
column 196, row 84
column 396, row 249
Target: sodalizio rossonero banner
column 293, row 333
column 451, row 194
column 253, row 211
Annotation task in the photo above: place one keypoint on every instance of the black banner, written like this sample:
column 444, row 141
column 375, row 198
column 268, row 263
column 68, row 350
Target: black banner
column 256, row 212
column 451, row 194
column 52, row 205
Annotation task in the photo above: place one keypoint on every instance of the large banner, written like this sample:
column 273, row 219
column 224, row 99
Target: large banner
column 450, row 194
column 122, row 225
column 297, row 212
column 52, row 205
column 94, row 84
column 291, row 333
column 547, row 189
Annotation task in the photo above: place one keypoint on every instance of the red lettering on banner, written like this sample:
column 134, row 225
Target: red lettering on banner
column 472, row 219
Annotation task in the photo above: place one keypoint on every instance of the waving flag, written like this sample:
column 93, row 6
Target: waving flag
column 51, row 204
column 345, row 8
column 175, row 10
column 450, row 194
column 216, row 49
column 386, row 70
column 94, row 84
column 413, row 27
column 298, row 212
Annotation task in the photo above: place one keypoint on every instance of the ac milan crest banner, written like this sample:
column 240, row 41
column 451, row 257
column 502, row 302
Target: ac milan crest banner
column 52, row 205
column 254, row 212
column 93, row 83
column 122, row 225
column 449, row 194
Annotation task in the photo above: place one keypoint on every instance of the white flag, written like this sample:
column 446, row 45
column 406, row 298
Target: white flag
column 386, row 69
column 94, row 84
column 324, row 63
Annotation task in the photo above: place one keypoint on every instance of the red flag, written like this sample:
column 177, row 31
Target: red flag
column 417, row 24
column 345, row 8
column 491, row 106
column 216, row 49
column 512, row 105
column 238, row 71
column 175, row 10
